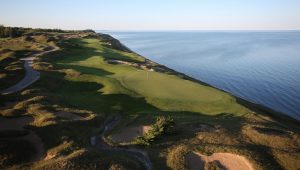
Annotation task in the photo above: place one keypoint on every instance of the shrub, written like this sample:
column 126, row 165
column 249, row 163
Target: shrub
column 41, row 38
column 42, row 66
column 176, row 157
column 163, row 125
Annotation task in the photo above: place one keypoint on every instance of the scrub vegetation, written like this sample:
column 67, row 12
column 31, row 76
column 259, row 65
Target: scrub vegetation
column 93, row 76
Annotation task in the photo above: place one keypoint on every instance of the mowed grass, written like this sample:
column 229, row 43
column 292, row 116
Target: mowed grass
column 172, row 93
column 160, row 90
column 84, row 79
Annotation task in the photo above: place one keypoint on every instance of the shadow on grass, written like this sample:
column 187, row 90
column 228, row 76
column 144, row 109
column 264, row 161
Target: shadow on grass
column 78, row 131
column 89, row 70
column 14, row 152
column 79, row 51
column 86, row 95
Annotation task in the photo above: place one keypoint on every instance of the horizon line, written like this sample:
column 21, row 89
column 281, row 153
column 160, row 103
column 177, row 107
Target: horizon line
column 163, row 30
column 198, row 30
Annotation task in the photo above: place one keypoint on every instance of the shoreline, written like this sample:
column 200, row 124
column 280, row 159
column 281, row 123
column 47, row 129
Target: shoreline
column 259, row 108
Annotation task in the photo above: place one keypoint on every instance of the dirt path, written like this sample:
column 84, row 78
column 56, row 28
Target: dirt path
column 18, row 124
column 98, row 142
column 31, row 75
column 227, row 161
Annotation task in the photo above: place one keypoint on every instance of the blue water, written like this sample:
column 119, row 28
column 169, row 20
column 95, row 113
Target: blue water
column 263, row 67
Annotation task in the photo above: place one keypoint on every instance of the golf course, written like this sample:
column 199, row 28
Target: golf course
column 96, row 104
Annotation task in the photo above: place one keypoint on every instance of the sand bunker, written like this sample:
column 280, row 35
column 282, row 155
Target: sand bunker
column 130, row 133
column 196, row 161
column 8, row 124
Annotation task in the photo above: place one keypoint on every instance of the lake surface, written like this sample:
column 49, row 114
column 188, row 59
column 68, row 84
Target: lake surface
column 262, row 67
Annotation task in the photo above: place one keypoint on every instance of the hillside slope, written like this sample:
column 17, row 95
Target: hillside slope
column 93, row 78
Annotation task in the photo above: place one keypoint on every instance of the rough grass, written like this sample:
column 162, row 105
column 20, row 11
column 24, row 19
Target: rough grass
column 11, row 50
column 11, row 70
column 14, row 152
column 176, row 157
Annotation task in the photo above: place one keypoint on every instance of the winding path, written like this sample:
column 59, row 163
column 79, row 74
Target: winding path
column 31, row 75
column 19, row 123
column 98, row 142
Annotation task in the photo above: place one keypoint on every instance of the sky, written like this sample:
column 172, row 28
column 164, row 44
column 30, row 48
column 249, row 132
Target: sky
column 152, row 14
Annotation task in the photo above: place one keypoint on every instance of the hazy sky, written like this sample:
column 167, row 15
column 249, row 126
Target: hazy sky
column 152, row 14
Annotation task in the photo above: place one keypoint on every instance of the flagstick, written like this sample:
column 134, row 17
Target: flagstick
column 147, row 75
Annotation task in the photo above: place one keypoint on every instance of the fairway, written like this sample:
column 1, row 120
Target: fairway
column 169, row 92
column 159, row 85
column 163, row 91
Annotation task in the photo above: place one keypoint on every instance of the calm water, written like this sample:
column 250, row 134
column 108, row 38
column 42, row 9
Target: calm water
column 263, row 67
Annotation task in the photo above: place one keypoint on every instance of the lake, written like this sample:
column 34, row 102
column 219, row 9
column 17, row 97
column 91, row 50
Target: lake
column 262, row 67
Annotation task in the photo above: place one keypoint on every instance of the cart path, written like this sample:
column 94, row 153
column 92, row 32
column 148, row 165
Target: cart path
column 31, row 75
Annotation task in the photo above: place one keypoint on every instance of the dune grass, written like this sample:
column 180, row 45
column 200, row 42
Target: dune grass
column 15, row 152
column 11, row 50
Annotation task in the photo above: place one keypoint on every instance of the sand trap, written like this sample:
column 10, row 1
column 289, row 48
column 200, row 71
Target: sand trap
column 69, row 116
column 196, row 161
column 18, row 124
column 128, row 134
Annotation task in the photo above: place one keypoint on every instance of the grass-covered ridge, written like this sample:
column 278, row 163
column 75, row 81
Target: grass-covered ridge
column 163, row 91
column 93, row 77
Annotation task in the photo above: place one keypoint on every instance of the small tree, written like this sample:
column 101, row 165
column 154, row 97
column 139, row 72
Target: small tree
column 163, row 125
